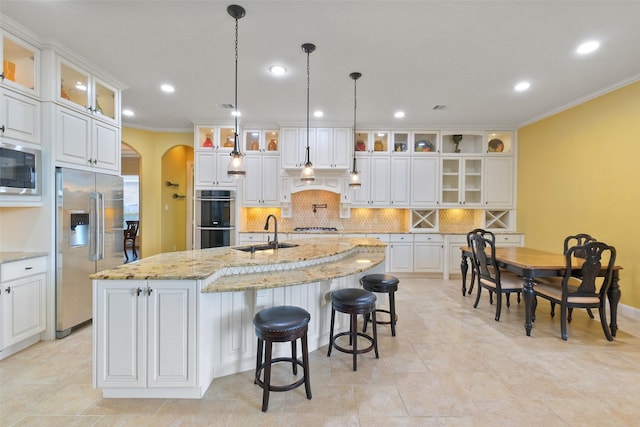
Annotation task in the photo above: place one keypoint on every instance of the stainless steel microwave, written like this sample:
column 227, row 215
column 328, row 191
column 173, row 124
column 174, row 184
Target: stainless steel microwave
column 19, row 170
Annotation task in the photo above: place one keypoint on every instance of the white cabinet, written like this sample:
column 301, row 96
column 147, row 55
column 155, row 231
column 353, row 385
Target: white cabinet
column 20, row 65
column 260, row 141
column 425, row 181
column 375, row 178
column 147, row 334
column 461, row 181
column 401, row 253
column 428, row 253
column 400, row 185
column 332, row 148
column 211, row 169
column 19, row 117
column 498, row 182
column 329, row 148
column 261, row 184
column 23, row 295
column 251, row 238
column 453, row 255
column 84, row 141
column 80, row 90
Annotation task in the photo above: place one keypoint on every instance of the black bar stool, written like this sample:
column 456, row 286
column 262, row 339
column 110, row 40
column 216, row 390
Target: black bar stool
column 387, row 284
column 353, row 301
column 281, row 324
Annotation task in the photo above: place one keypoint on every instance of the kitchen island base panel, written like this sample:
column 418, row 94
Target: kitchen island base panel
column 225, row 339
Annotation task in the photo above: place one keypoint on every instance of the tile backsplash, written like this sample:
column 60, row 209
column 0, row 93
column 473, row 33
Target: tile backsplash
column 302, row 215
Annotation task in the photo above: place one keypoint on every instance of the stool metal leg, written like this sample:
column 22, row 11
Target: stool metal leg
column 258, row 359
column 392, row 312
column 267, row 376
column 353, row 336
column 294, row 355
column 375, row 333
column 305, row 365
column 333, row 318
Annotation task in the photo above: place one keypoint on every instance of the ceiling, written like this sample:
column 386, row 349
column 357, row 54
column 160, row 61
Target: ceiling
column 414, row 55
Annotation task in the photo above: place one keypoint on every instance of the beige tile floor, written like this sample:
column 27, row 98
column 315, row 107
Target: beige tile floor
column 448, row 365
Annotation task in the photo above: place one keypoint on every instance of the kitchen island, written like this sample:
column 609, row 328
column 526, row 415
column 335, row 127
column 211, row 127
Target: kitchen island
column 167, row 325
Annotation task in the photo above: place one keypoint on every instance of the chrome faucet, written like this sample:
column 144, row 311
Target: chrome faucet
column 273, row 242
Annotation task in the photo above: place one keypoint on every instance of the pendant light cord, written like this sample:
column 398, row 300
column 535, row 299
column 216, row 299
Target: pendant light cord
column 235, row 139
column 355, row 105
column 308, row 84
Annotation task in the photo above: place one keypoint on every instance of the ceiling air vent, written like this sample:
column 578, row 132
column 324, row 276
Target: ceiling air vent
column 226, row 106
column 439, row 107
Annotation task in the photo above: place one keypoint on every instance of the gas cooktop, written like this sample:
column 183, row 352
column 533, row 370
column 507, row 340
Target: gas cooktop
column 316, row 229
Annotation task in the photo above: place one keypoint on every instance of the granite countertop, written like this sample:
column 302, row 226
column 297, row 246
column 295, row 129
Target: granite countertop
column 228, row 269
column 17, row 256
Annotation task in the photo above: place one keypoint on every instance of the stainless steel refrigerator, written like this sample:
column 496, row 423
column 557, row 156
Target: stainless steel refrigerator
column 89, row 224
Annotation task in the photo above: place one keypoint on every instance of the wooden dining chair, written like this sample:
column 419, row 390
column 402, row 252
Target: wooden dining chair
column 486, row 234
column 587, row 289
column 579, row 239
column 489, row 275
column 130, row 234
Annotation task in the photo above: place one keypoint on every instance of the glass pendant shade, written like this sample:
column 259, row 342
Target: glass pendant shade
column 236, row 168
column 354, row 181
column 307, row 174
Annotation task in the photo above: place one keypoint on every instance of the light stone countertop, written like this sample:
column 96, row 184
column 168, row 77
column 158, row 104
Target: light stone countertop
column 228, row 269
column 18, row 256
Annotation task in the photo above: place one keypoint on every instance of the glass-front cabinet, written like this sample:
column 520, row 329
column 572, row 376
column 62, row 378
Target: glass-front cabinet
column 373, row 142
column 461, row 182
column 20, row 65
column 261, row 141
column 211, row 137
column 80, row 90
column 400, row 142
column 499, row 142
column 424, row 142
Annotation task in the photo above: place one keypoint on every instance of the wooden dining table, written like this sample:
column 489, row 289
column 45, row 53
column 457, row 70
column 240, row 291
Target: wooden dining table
column 532, row 263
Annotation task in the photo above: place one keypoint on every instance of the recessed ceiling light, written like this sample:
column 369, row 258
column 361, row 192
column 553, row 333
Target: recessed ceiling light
column 128, row 113
column 522, row 86
column 318, row 113
column 277, row 70
column 167, row 88
column 398, row 114
column 588, row 47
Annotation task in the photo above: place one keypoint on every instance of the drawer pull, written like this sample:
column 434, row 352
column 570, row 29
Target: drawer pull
column 28, row 268
column 8, row 290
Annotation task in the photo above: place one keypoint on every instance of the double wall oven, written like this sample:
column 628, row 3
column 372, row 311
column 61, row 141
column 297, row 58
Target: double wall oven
column 215, row 219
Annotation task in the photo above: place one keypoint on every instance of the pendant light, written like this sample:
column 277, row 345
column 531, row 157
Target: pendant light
column 236, row 167
column 355, row 175
column 308, row 173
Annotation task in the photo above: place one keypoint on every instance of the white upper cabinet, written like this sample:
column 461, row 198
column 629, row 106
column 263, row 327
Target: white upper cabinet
column 260, row 141
column 375, row 173
column 400, row 175
column 19, row 117
column 78, row 89
column 373, row 142
column 333, row 148
column 425, row 143
column 463, row 143
column 425, row 181
column 20, row 65
column 498, row 182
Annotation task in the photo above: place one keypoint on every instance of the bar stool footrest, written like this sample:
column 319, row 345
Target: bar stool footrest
column 350, row 351
column 280, row 387
column 383, row 322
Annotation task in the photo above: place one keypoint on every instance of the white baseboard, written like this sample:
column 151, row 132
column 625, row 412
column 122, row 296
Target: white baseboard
column 629, row 311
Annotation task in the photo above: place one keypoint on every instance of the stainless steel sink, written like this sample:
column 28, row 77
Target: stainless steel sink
column 265, row 246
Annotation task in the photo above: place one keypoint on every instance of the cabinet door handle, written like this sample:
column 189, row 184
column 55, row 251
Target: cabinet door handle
column 8, row 290
column 149, row 290
column 138, row 292
column 2, row 128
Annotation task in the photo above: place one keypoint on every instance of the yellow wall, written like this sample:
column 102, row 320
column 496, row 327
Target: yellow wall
column 579, row 172
column 174, row 214
column 152, row 146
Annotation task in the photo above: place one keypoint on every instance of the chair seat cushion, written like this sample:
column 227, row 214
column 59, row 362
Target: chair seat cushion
column 508, row 281
column 380, row 282
column 281, row 319
column 555, row 292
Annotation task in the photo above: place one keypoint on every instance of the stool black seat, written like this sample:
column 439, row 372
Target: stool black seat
column 382, row 283
column 281, row 324
column 353, row 301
